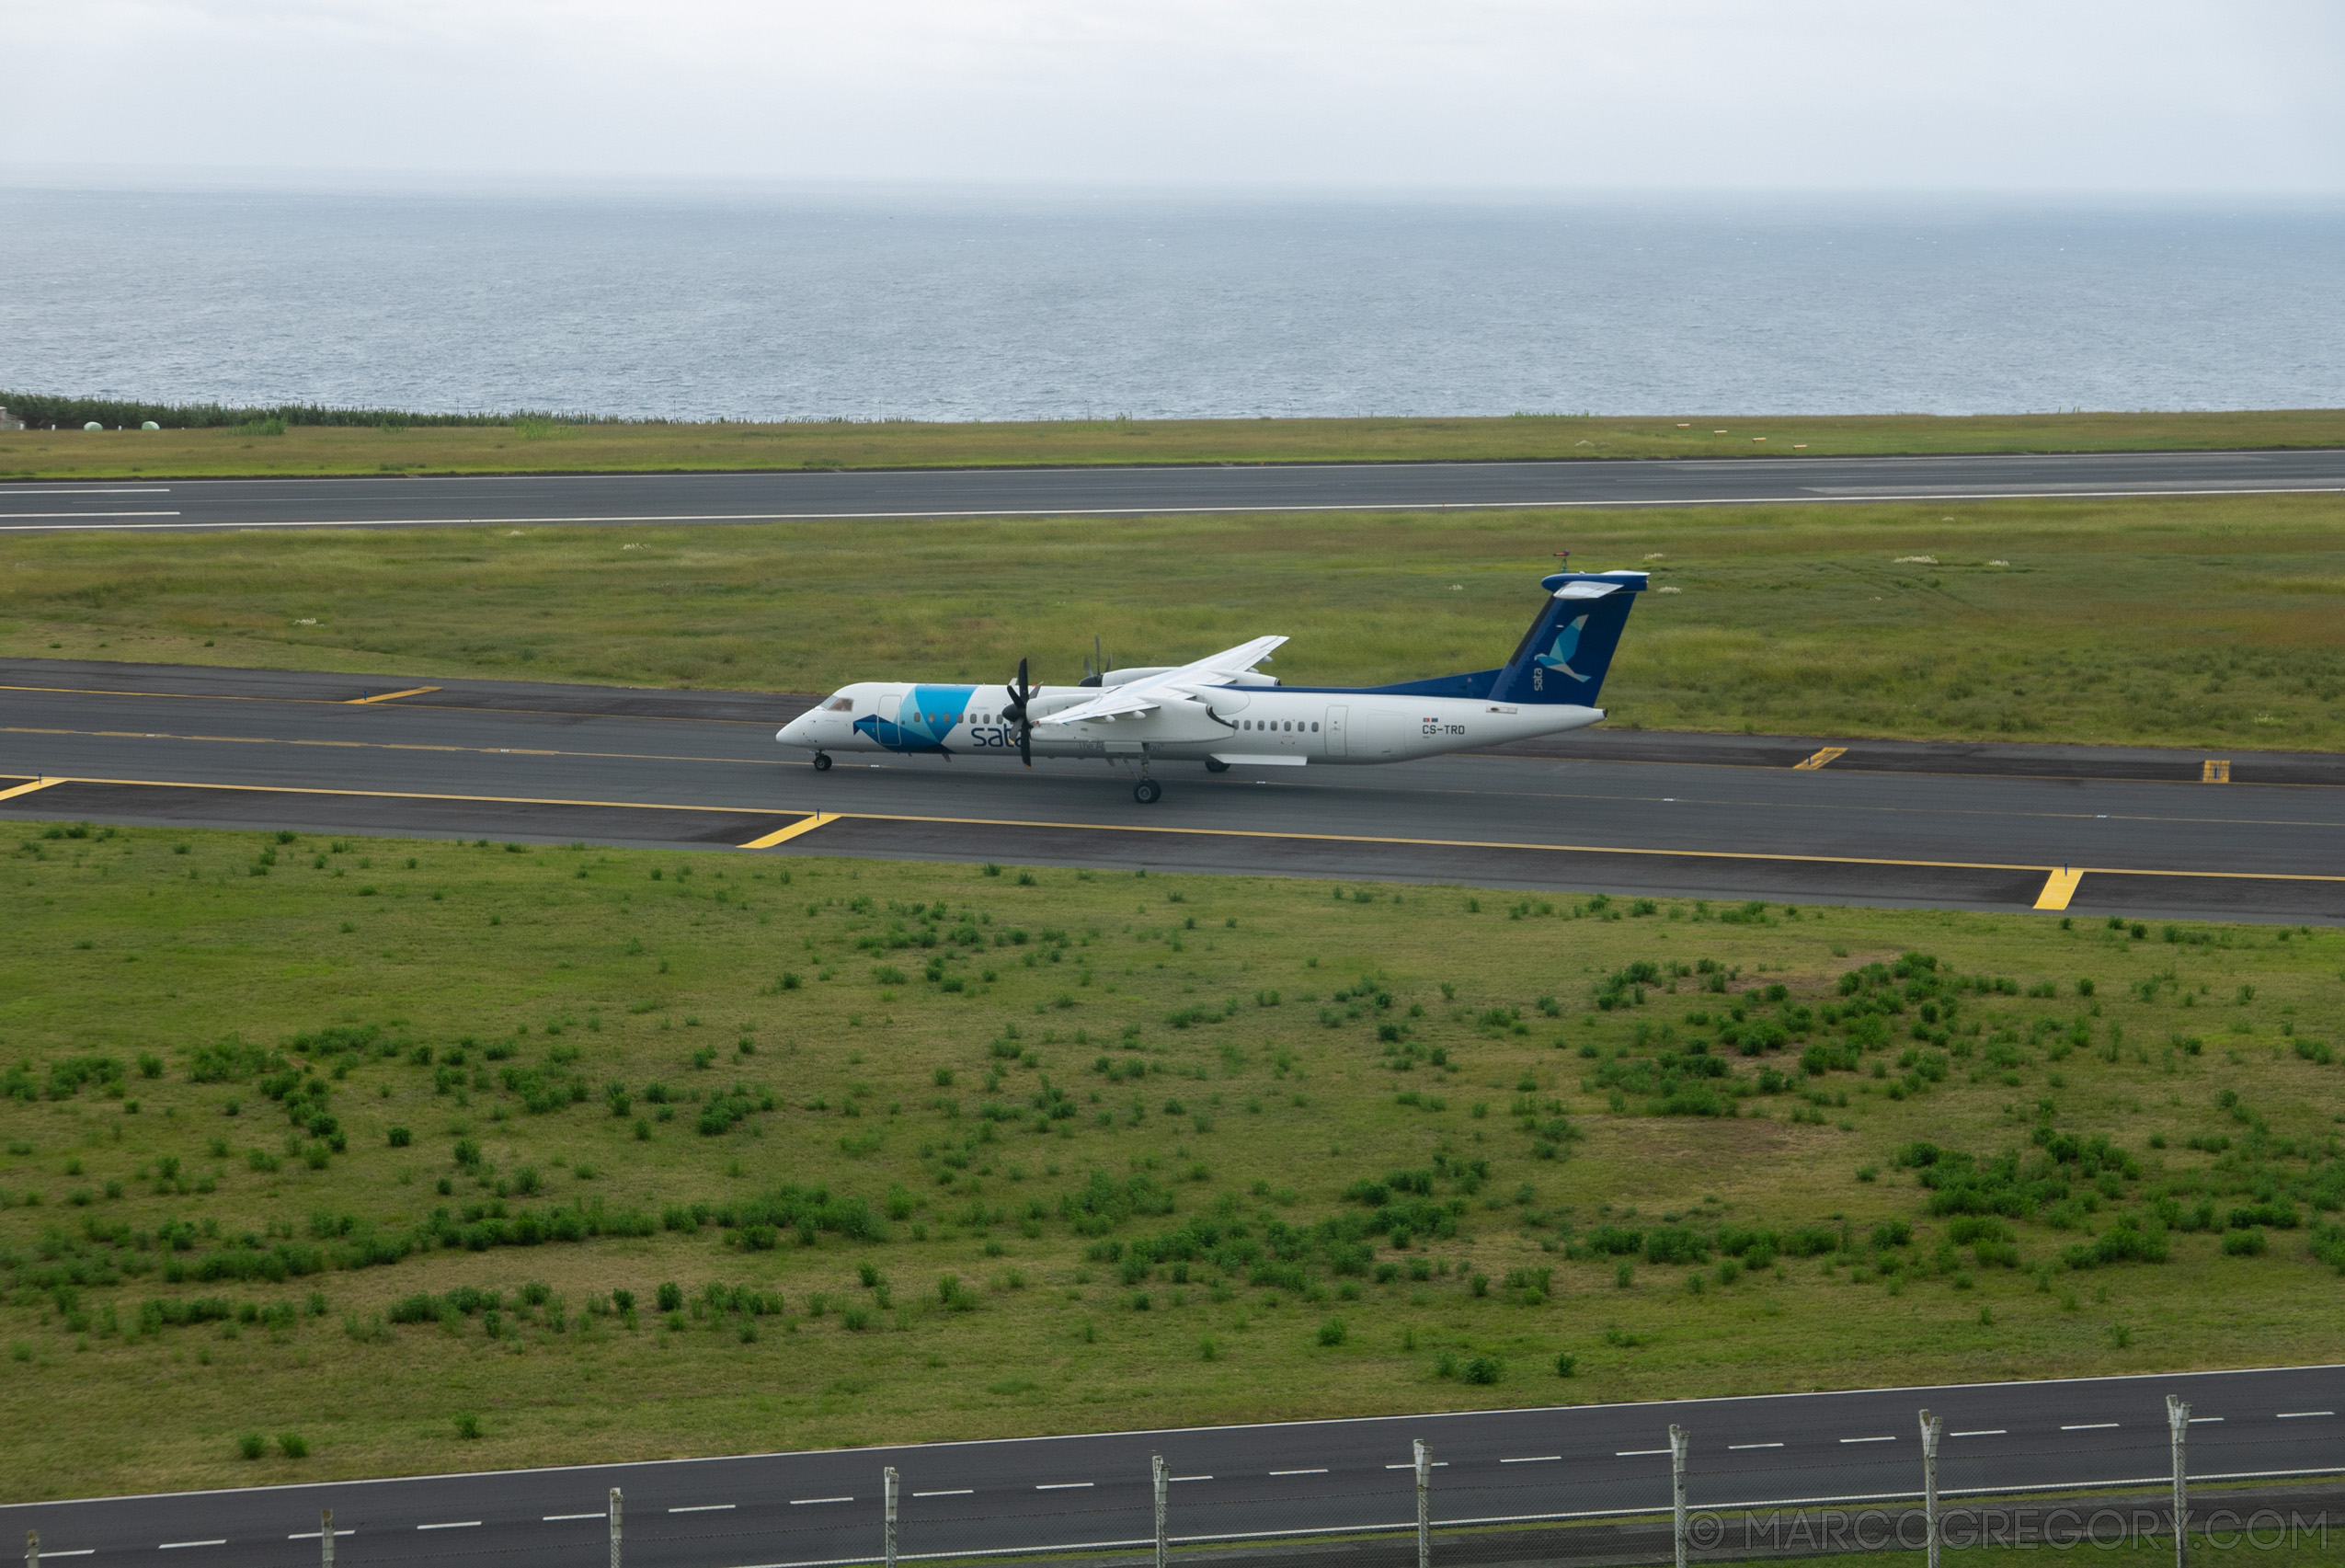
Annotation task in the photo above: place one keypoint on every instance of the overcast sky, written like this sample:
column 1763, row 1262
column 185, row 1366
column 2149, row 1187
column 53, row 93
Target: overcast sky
column 2137, row 96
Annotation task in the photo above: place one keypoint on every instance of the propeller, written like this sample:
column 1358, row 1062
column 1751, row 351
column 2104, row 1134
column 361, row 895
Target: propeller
column 1021, row 693
column 1096, row 668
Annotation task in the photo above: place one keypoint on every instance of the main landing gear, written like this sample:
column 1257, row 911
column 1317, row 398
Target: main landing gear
column 1147, row 791
column 822, row 762
column 1215, row 765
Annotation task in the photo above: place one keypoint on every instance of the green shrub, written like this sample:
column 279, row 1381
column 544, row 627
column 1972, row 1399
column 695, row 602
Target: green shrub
column 252, row 1445
column 1332, row 1333
column 1566, row 1365
column 1484, row 1369
column 293, row 1445
column 468, row 1427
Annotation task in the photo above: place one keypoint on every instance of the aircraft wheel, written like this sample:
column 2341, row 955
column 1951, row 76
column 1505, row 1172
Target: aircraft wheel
column 821, row 761
column 1146, row 792
column 1215, row 765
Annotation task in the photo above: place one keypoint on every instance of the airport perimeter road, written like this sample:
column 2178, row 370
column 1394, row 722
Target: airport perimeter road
column 750, row 498
column 334, row 754
column 1240, row 1483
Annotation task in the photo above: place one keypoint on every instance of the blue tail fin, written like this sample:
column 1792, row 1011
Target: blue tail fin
column 1564, row 655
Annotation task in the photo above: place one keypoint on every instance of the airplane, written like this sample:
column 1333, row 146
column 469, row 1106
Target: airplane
column 1224, row 712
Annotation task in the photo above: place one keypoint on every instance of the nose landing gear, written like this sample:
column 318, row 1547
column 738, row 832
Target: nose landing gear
column 1147, row 791
column 822, row 762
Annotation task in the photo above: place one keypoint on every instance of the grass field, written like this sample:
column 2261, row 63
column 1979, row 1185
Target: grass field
column 2183, row 621
column 354, row 1139
column 538, row 445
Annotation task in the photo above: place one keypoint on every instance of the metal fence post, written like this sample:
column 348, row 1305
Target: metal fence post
column 2177, row 1421
column 615, row 1527
column 32, row 1549
column 1156, row 1477
column 889, row 1485
column 1677, row 1442
column 1425, row 1506
column 1933, row 1428
column 325, row 1538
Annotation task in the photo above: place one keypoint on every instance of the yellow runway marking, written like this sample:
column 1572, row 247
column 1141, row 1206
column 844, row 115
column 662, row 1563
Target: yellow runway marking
column 28, row 788
column 825, row 818
column 1821, row 758
column 2059, row 888
column 388, row 696
column 1577, row 849
column 2215, row 772
column 786, row 834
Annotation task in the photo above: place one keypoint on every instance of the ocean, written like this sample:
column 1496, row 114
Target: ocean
column 879, row 305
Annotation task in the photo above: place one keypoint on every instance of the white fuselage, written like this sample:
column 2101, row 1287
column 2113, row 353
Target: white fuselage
column 1242, row 726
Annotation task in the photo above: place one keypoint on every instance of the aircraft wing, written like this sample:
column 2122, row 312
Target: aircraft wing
column 1146, row 697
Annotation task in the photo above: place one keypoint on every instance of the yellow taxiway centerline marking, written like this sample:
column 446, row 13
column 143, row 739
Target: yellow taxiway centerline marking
column 2059, row 888
column 28, row 788
column 1821, row 758
column 782, row 835
column 828, row 817
column 420, row 795
column 343, row 702
column 2214, row 771
column 387, row 696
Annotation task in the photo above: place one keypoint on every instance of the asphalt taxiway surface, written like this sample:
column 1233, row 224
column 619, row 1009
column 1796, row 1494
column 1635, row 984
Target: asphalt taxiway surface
column 1633, row 813
column 176, row 504
column 1246, row 1484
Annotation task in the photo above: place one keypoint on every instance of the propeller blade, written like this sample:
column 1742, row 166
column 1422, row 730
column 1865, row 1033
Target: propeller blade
column 1026, row 744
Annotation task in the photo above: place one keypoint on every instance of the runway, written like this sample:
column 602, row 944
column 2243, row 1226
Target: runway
column 197, row 504
column 1244, row 1484
column 1632, row 813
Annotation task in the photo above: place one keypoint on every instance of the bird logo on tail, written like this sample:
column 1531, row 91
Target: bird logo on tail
column 1567, row 643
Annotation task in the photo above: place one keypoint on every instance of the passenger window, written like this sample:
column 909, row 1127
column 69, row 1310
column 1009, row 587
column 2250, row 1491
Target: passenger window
column 1314, row 729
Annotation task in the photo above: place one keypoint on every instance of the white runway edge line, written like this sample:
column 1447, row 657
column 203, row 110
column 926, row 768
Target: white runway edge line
column 175, row 1545
column 89, row 1551
column 1617, row 1453
column 808, row 1502
column 954, row 1492
column 1622, row 503
column 457, row 1524
column 702, row 1508
column 1984, row 1431
column 564, row 1518
column 1737, row 1447
column 2301, row 1415
column 1188, row 1478
column 2092, row 1427
column 297, row 1535
column 1440, row 1464
column 1868, row 1439
column 1321, row 1472
column 1064, row 1485
column 1535, row 1460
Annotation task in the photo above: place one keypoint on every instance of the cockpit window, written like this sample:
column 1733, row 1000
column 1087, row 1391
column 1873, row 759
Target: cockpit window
column 839, row 706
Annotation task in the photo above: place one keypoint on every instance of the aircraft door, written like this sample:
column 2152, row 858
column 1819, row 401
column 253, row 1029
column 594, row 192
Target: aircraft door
column 1335, row 717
